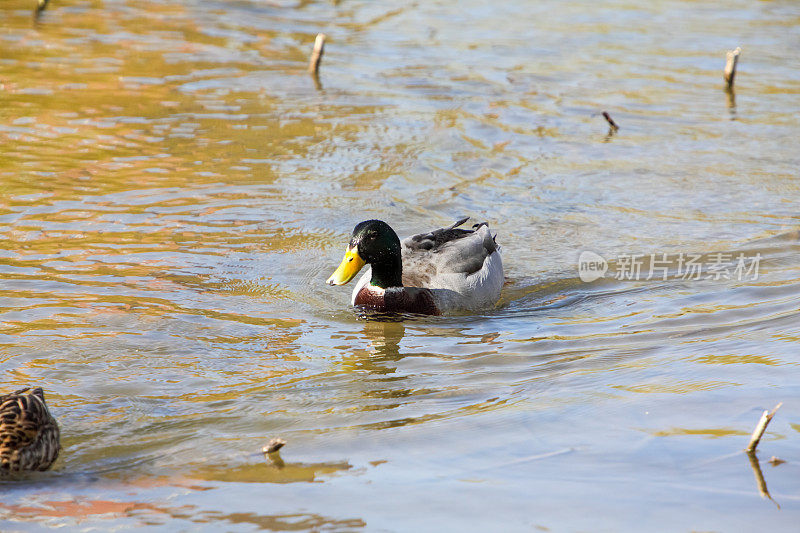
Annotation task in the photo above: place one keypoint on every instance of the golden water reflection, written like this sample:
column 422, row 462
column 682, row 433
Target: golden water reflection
column 271, row 470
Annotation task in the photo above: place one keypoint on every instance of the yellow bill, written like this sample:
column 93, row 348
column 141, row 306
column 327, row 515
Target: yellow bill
column 348, row 269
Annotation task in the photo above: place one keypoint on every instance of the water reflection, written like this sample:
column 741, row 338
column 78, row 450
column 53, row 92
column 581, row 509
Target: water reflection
column 383, row 336
column 174, row 185
column 761, row 483
column 77, row 511
column 730, row 95
column 285, row 522
column 106, row 512
column 271, row 469
column 41, row 5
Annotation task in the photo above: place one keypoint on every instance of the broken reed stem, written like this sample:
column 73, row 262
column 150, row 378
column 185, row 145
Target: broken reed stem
column 273, row 445
column 763, row 422
column 731, row 60
column 316, row 53
column 610, row 121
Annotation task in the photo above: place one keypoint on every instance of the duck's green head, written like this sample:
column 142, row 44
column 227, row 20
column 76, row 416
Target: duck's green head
column 375, row 243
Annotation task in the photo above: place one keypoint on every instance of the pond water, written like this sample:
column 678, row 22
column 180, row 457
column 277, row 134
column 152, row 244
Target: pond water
column 175, row 188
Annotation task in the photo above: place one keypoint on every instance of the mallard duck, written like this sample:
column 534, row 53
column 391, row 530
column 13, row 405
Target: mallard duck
column 28, row 432
column 448, row 269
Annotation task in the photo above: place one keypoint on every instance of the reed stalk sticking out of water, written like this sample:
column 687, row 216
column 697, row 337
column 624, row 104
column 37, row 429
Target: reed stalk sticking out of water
column 272, row 454
column 755, row 438
column 610, row 121
column 316, row 54
column 731, row 60
column 273, row 445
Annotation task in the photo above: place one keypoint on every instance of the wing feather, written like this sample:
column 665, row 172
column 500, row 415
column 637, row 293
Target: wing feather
column 429, row 257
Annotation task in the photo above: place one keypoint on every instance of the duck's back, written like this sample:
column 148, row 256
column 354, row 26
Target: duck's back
column 29, row 435
column 462, row 267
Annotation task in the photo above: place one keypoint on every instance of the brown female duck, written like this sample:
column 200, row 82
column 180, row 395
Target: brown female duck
column 29, row 435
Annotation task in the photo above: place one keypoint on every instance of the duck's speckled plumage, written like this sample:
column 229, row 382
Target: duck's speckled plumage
column 29, row 435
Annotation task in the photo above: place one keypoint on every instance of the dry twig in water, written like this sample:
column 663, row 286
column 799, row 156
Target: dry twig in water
column 610, row 121
column 766, row 417
column 273, row 445
column 731, row 60
column 316, row 54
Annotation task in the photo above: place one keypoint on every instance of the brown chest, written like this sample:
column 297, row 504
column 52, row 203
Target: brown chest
column 397, row 300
